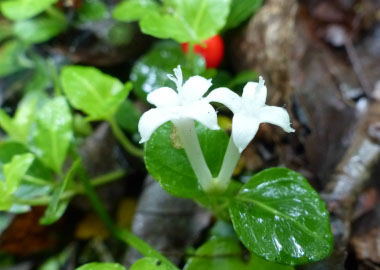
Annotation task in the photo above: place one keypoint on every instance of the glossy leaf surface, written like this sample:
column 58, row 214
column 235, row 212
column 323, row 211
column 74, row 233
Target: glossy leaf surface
column 225, row 253
column 279, row 216
column 150, row 71
column 171, row 167
column 127, row 116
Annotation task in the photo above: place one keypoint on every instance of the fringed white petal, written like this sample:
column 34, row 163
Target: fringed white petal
column 203, row 113
column 255, row 93
column 244, row 129
column 276, row 116
column 151, row 120
column 227, row 97
column 194, row 88
column 163, row 97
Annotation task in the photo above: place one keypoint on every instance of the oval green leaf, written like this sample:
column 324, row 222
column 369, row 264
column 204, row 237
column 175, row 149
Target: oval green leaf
column 225, row 253
column 151, row 264
column 13, row 173
column 187, row 20
column 97, row 94
column 53, row 133
column 24, row 9
column 133, row 10
column 38, row 30
column 279, row 216
column 101, row 266
column 218, row 253
column 10, row 52
column 171, row 167
column 240, row 11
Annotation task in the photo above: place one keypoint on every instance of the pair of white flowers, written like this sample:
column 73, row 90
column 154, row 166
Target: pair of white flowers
column 188, row 103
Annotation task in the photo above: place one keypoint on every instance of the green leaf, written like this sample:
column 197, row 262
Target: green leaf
column 242, row 78
column 219, row 203
column 24, row 9
column 151, row 264
column 261, row 264
column 121, row 33
column 10, row 149
column 5, row 30
column 279, row 216
column 57, row 207
column 53, row 133
column 150, row 71
column 127, row 116
column 25, row 190
column 15, row 170
column 171, row 167
column 6, row 123
column 225, row 253
column 133, row 10
column 101, row 266
column 97, row 94
column 18, row 128
column 5, row 220
column 241, row 10
column 219, row 253
column 25, row 116
column 10, row 53
column 56, row 261
column 38, row 29
column 93, row 10
column 81, row 126
column 188, row 20
column 13, row 173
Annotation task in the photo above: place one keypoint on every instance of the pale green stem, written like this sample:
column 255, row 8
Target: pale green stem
column 190, row 142
column 37, row 181
column 123, row 140
column 231, row 158
column 98, row 181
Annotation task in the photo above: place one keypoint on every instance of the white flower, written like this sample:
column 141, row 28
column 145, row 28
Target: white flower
column 188, row 103
column 249, row 111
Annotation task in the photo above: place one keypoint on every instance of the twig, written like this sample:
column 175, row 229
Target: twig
column 353, row 172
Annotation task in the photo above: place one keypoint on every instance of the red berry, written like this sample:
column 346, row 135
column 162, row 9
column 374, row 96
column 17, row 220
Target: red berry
column 212, row 50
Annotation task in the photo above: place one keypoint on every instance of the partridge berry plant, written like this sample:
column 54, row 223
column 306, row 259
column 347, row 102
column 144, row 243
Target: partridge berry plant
column 276, row 214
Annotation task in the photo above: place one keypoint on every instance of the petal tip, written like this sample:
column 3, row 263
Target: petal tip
column 290, row 130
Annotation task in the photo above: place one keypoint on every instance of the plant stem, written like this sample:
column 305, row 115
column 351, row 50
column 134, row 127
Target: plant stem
column 190, row 142
column 230, row 161
column 56, row 14
column 106, row 178
column 190, row 54
column 55, row 77
column 122, row 234
column 97, row 181
column 128, row 146
column 37, row 181
column 141, row 246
